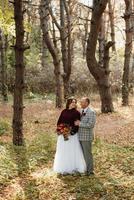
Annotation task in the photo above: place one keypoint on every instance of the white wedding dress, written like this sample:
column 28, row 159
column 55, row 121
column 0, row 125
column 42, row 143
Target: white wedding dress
column 69, row 156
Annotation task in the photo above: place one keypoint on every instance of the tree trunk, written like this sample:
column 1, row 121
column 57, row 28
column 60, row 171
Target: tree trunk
column 84, row 40
column 64, row 28
column 111, row 18
column 127, row 56
column 44, row 54
column 66, row 43
column 104, row 85
column 69, row 48
column 101, row 74
column 3, row 67
column 63, row 38
column 19, row 75
column 44, row 19
column 101, row 39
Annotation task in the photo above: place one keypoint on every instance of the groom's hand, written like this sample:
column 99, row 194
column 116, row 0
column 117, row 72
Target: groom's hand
column 77, row 122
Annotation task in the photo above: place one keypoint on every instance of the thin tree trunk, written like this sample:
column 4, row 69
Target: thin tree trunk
column 127, row 56
column 64, row 28
column 101, row 74
column 63, row 38
column 5, row 90
column 66, row 43
column 86, row 25
column 44, row 19
column 69, row 46
column 111, row 18
column 44, row 54
column 132, row 69
column 57, row 71
column 3, row 67
column 19, row 75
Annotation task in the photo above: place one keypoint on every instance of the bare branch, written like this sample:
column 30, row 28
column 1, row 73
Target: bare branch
column 54, row 18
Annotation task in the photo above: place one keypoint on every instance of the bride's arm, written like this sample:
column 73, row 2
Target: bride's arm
column 60, row 120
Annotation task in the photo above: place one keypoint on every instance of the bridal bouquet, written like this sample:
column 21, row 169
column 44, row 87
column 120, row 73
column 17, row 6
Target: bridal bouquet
column 64, row 129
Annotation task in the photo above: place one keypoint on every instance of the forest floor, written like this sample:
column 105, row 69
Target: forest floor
column 26, row 172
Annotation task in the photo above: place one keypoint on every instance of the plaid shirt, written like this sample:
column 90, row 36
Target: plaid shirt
column 86, row 126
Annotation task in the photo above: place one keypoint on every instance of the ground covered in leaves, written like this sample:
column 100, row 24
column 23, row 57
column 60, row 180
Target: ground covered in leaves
column 26, row 172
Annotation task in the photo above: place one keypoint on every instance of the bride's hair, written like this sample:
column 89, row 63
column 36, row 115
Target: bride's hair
column 69, row 101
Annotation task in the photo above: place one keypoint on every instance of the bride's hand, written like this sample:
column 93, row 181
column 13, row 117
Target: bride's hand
column 77, row 122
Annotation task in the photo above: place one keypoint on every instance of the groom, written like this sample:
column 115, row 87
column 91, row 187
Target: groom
column 85, row 132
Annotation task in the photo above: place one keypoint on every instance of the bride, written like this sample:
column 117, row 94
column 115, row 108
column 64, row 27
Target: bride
column 69, row 156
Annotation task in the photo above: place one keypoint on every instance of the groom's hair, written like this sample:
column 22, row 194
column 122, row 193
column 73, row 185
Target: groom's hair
column 87, row 100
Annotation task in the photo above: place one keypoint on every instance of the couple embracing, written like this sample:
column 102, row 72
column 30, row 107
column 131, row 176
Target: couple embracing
column 75, row 136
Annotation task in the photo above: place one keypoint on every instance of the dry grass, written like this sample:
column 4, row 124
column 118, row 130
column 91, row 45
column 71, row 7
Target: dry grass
column 26, row 172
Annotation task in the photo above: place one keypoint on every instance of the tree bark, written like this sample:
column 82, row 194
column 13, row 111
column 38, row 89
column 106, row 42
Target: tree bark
column 69, row 47
column 18, row 138
column 3, row 67
column 63, row 38
column 105, row 88
column 44, row 54
column 128, row 50
column 66, row 44
column 101, row 39
column 84, row 39
column 44, row 18
column 101, row 74
column 111, row 18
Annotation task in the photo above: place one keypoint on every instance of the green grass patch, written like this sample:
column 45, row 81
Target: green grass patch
column 18, row 161
column 8, row 168
column 4, row 127
column 32, row 163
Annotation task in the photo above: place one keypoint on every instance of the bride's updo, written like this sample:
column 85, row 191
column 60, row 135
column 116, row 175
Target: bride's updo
column 69, row 101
